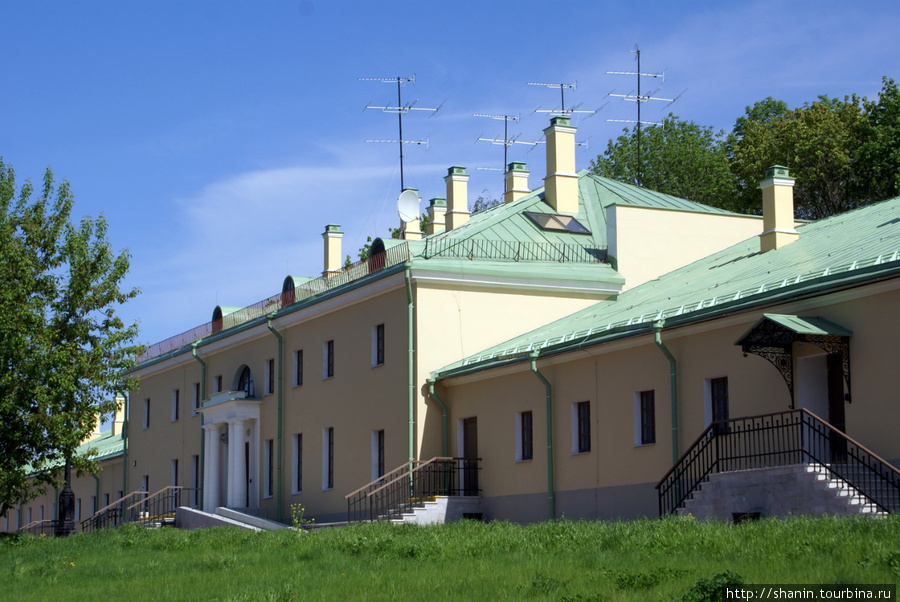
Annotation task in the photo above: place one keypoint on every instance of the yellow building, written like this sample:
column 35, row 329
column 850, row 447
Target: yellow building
column 587, row 317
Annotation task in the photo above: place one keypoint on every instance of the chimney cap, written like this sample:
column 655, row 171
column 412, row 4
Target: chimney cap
column 777, row 171
column 438, row 202
column 516, row 166
column 456, row 170
column 333, row 229
column 560, row 120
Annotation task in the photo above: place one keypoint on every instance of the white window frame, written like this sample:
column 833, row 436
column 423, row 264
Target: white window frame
column 146, row 421
column 217, row 383
column 195, row 402
column 327, row 441
column 519, row 442
column 375, row 362
column 297, row 462
column 326, row 353
column 575, row 450
column 270, row 376
column 176, row 403
column 268, row 485
column 636, row 401
column 375, row 437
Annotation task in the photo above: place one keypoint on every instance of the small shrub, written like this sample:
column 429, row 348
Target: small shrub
column 712, row 589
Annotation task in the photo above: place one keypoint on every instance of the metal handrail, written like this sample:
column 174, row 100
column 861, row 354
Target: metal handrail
column 39, row 527
column 779, row 439
column 412, row 485
column 110, row 515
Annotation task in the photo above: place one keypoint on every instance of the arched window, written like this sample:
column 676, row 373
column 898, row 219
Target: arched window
column 245, row 382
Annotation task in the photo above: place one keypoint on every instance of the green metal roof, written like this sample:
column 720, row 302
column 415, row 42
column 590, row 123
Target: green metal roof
column 856, row 246
column 800, row 325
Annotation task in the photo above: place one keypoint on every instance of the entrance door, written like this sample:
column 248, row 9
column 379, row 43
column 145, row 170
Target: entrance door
column 836, row 406
column 470, row 456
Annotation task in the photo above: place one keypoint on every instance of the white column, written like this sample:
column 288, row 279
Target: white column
column 211, row 469
column 237, row 478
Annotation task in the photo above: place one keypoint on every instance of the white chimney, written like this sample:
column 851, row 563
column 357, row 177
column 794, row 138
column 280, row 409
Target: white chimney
column 778, row 209
column 333, row 259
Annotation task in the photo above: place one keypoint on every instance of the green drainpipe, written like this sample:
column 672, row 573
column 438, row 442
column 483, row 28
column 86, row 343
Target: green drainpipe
column 551, row 496
column 278, row 443
column 444, row 426
column 673, row 384
column 125, row 444
column 410, row 307
column 202, row 418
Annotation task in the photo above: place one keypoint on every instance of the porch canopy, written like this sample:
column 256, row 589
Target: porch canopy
column 773, row 337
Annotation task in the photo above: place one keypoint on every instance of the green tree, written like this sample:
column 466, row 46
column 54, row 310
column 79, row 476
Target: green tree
column 880, row 149
column 679, row 158
column 63, row 348
column 820, row 142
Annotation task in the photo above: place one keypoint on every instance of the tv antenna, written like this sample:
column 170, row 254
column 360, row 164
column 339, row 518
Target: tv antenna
column 400, row 109
column 565, row 112
column 640, row 99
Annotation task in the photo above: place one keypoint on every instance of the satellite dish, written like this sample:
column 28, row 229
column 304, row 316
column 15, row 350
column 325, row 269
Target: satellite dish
column 408, row 206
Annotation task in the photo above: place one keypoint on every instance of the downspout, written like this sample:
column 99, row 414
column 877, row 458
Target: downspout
column 125, row 444
column 673, row 384
column 446, row 434
column 278, row 442
column 551, row 496
column 202, row 419
column 410, row 374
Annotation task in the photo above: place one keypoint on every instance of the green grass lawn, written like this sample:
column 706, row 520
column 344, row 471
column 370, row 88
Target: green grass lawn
column 671, row 559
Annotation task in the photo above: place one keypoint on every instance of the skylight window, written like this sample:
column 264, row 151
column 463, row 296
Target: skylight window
column 554, row 222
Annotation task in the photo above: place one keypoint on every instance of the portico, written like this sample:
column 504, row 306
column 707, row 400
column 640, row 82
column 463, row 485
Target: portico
column 231, row 440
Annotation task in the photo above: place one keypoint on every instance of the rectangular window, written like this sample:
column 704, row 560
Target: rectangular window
column 217, row 384
column 581, row 427
column 269, row 468
column 176, row 402
column 105, row 500
column 377, row 454
column 297, row 484
column 298, row 367
column 173, row 473
column 195, row 481
column 270, row 376
column 718, row 395
column 328, row 359
column 378, row 345
column 328, row 458
column 41, row 512
column 645, row 418
column 524, row 436
column 28, row 515
column 94, row 505
column 146, row 421
column 78, row 510
column 196, row 398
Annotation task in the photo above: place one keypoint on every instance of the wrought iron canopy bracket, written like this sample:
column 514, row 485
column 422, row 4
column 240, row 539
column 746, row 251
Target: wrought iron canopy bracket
column 774, row 342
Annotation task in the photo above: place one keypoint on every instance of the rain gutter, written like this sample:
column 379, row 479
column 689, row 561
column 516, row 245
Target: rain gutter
column 673, row 384
column 410, row 308
column 194, row 346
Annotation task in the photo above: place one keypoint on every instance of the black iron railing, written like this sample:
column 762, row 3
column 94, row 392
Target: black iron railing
column 412, row 484
column 159, row 508
column 113, row 514
column 779, row 439
column 45, row 528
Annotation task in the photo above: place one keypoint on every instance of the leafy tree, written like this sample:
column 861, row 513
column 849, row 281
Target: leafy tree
column 880, row 149
column 820, row 142
column 63, row 348
column 484, row 202
column 679, row 158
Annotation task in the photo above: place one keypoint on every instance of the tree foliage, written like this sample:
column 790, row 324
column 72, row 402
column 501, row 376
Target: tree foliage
column 63, row 348
column 679, row 158
column 843, row 154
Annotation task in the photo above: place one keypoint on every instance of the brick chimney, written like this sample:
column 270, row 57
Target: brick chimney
column 333, row 259
column 457, row 197
column 437, row 209
column 561, row 183
column 516, row 182
column 778, row 209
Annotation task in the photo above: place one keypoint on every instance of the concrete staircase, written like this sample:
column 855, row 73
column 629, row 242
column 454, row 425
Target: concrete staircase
column 801, row 489
column 442, row 509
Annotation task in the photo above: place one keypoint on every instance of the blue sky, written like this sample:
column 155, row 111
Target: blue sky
column 220, row 137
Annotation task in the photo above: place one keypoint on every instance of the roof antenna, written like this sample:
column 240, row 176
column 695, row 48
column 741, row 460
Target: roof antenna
column 640, row 99
column 400, row 109
column 565, row 112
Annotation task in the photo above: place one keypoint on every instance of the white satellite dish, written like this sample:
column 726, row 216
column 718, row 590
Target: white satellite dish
column 408, row 206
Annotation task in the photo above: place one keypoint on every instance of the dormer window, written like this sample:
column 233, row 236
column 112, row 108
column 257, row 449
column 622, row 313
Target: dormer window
column 555, row 222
